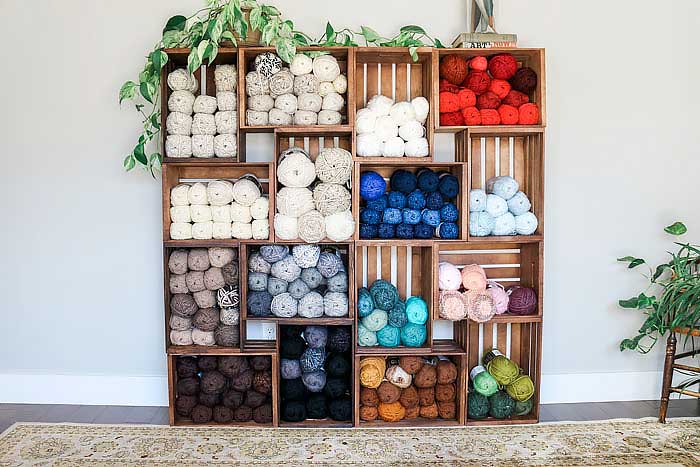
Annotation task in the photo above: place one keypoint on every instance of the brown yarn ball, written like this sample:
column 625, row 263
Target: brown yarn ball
column 388, row 393
column 243, row 414
column 368, row 414
column 205, row 298
column 195, row 281
column 227, row 336
column 184, row 405
column 201, row 414
column 262, row 382
column 214, row 279
column 391, row 412
column 412, row 412
column 231, row 366
column 261, row 362
column 243, row 380
column 187, row 386
column 411, row 364
column 429, row 411
column 210, row 400
column 426, row 396
column 186, row 367
column 207, row 362
column 178, row 283
column 369, row 397
column 426, row 377
column 230, row 273
column 232, row 398
column 183, row 304
column 409, row 397
column 524, row 80
column 263, row 414
column 198, row 259
column 206, row 319
column 447, row 410
column 212, row 382
column 223, row 414
column 445, row 392
column 177, row 263
column 254, row 399
column 446, row 372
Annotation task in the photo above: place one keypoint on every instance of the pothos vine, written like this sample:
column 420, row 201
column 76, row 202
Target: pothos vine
column 222, row 21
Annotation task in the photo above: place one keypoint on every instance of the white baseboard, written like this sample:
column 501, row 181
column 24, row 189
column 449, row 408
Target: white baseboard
column 152, row 390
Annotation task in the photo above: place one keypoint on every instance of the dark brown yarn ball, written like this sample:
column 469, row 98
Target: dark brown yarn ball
column 388, row 393
column 227, row 336
column 411, row 364
column 412, row 412
column 369, row 397
column 183, row 304
column 524, row 80
column 231, row 366
column 263, row 414
column 262, row 382
column 426, row 396
column 243, row 414
column 184, row 405
column 201, row 414
column 232, row 398
column 207, row 363
column 243, row 380
column 445, row 392
column 206, row 319
column 429, row 411
column 210, row 400
column 368, row 414
column 447, row 410
column 223, row 414
column 188, row 386
column 426, row 377
column 446, row 372
column 230, row 272
column 212, row 382
column 261, row 362
column 254, row 399
column 409, row 397
column 186, row 367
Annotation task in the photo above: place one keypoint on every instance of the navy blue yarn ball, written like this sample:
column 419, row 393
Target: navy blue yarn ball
column 396, row 199
column 392, row 216
column 378, row 204
column 430, row 217
column 449, row 213
column 416, row 200
column 428, row 180
column 448, row 186
column 372, row 185
column 434, row 201
column 369, row 231
column 423, row 231
column 448, row 230
column 403, row 180
column 404, row 231
column 411, row 216
column 370, row 216
column 387, row 231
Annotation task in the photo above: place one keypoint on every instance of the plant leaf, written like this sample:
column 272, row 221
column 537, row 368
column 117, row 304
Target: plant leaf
column 147, row 90
column 330, row 33
column 438, row 44
column 128, row 91
column 129, row 162
column 659, row 270
column 270, row 10
column 677, row 228
column 629, row 303
column 256, row 18
column 413, row 29
column 635, row 263
column 370, row 34
column 630, row 344
column 286, row 49
column 140, row 155
column 176, row 23
column 193, row 61
column 159, row 59
column 413, row 50
column 228, row 36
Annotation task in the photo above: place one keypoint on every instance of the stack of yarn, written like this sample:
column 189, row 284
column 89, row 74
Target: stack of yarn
column 389, row 129
column 467, row 293
column 210, row 132
column 418, row 205
column 394, row 389
column 387, row 321
column 309, row 92
column 485, row 91
column 230, row 389
column 314, row 201
column 501, row 209
column 499, row 389
column 316, row 372
column 219, row 209
column 204, row 299
column 305, row 282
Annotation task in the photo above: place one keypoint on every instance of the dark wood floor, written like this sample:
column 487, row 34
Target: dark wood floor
column 11, row 413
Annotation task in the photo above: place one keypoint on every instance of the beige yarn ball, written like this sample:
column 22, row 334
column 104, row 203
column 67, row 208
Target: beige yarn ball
column 181, row 80
column 256, row 84
column 225, row 146
column 200, row 213
column 226, row 77
column 341, row 84
column 281, row 83
column 221, row 230
column 177, row 262
column 197, row 194
column 241, row 230
column 325, row 88
column 181, row 231
column 229, row 316
column 255, row 118
column 195, row 281
column 205, row 298
column 240, row 213
column 294, row 201
column 340, row 226
column 179, row 195
column 306, row 84
column 301, row 65
column 246, row 190
column 329, row 117
column 310, row 102
column 219, row 257
column 262, row 103
column 278, row 117
column 203, row 230
column 333, row 101
column 181, row 101
column 203, row 146
column 203, row 124
column 287, row 103
column 219, row 192
column 198, row 259
column 260, row 209
column 214, row 279
column 181, row 337
column 180, row 323
column 178, row 146
column 226, row 101
column 295, row 168
column 305, row 118
column 286, row 227
column 204, row 104
column 180, row 214
column 221, row 213
column 178, row 123
column 203, row 337
column 226, row 122
column 260, row 229
column 312, row 227
column 178, row 283
column 331, row 198
column 326, row 67
column 334, row 165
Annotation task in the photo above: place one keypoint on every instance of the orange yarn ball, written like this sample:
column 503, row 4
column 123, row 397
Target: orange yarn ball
column 509, row 114
column 490, row 117
column 412, row 412
column 474, row 277
column 453, row 68
column 478, row 81
column 471, row 116
column 500, row 87
column 448, row 102
column 392, row 412
column 479, row 63
column 466, row 98
column 503, row 66
column 368, row 414
column 429, row 411
column 529, row 114
column 372, row 371
column 488, row 100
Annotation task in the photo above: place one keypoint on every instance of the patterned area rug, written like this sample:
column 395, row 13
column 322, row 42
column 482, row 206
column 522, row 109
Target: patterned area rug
column 621, row 442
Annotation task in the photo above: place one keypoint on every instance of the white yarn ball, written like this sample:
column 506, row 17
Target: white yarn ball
column 504, row 225
column 496, row 206
column 260, row 208
column 255, row 118
column 221, row 230
column 296, row 169
column 333, row 101
column 256, row 84
column 325, row 88
column 181, row 231
column 225, row 146
column 225, row 77
column 312, row 227
column 203, row 230
column 341, row 84
column 178, row 146
column 241, row 230
column 226, row 101
column 402, row 112
column 386, row 128
column 526, row 224
column 330, row 198
column 219, row 192
column 203, row 124
column 421, row 107
column 240, row 213
column 181, row 80
column 504, row 186
column 306, row 84
column 226, row 122
column 279, row 117
column 477, row 200
column 393, row 147
column 305, row 118
column 260, row 229
column 221, row 213
column 203, row 146
column 301, row 65
column 411, row 130
column 368, row 145
column 418, row 147
column 179, row 195
column 519, row 204
column 329, row 117
column 281, row 83
column 380, row 104
column 198, row 194
column 287, row 103
column 286, row 227
column 180, row 214
column 262, row 103
column 326, row 67
column 340, row 226
column 181, row 101
column 178, row 123
column 200, row 213
column 294, row 202
column 204, row 104
column 334, row 165
column 365, row 121
column 311, row 102
column 450, row 277
column 246, row 191
column 181, row 337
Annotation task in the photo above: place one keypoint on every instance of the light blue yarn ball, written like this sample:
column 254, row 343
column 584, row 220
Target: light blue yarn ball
column 504, row 225
column 365, row 337
column 413, row 335
column 526, row 224
column 504, row 186
column 519, row 204
column 389, row 336
column 480, row 224
column 416, row 310
column 375, row 320
column 477, row 200
column 496, row 206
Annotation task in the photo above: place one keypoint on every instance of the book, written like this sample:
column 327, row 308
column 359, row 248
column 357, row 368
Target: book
column 478, row 40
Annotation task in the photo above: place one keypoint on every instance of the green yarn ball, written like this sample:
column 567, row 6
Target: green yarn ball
column 523, row 408
column 502, row 405
column 397, row 316
column 485, row 384
column 365, row 303
column 389, row 336
column 416, row 310
column 375, row 320
column 365, row 337
column 384, row 294
column 413, row 335
column 521, row 389
column 477, row 406
column 503, row 370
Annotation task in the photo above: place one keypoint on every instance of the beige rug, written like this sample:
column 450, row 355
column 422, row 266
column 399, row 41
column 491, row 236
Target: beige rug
column 621, row 442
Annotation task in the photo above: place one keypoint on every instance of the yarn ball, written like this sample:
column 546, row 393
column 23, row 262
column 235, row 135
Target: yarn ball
column 286, row 269
column 188, row 386
column 488, row 100
column 398, row 377
column 183, row 305
column 519, row 204
column 523, row 408
column 503, row 186
column 449, row 213
column 388, row 393
column 529, row 114
column 522, row 301
column 258, row 303
column 477, row 81
column 447, row 410
column 257, row 281
column 243, row 380
column 526, row 224
column 521, row 389
column 286, row 227
column 340, row 409
column 403, row 181
column 500, row 88
column 454, row 69
column 504, row 370
column 404, row 230
column 413, row 335
column 409, row 396
column 372, row 370
column 515, row 99
column 365, row 302
column 334, row 165
column 428, row 181
column 298, row 289
column 426, row 377
column 185, row 404
column 418, row 147
column 331, row 198
column 312, row 226
column 263, row 414
column 503, row 66
column 227, row 336
column 474, row 277
column 421, row 107
column 452, row 119
column 295, row 168
column 477, row 200
column 479, row 63
column 389, row 336
column 500, row 297
column 368, row 144
column 293, row 411
column 292, row 347
column 423, row 230
column 396, row 199
column 338, row 283
column 397, row 316
column 369, row 397
column 411, row 130
column 413, row 216
column 339, row 339
column 212, row 382
column 290, row 369
column 379, row 204
column 501, row 405
column 284, row 306
column 294, row 202
column 392, row 216
column 292, row 389
column 446, row 372
column 496, row 205
column 370, row 216
column 452, row 305
column 480, row 306
column 316, row 407
column 449, row 276
column 524, row 80
column 260, row 363
column 335, row 387
column 449, row 103
column 509, row 114
column 448, row 230
column 256, row 263
column 201, row 414
column 243, row 413
column 246, row 191
column 416, row 310
column 335, row 304
column 477, row 406
column 231, row 366
column 267, row 64
column 306, row 256
column 316, row 336
column 311, row 305
column 490, row 117
column 391, row 412
column 368, row 414
column 411, row 364
column 311, row 277
column 368, row 231
column 372, row 185
column 314, row 381
column 448, row 185
column 340, row 226
column 416, row 200
column 504, row 225
column 312, row 359
column 262, row 383
column 365, row 337
column 375, row 320
column 329, row 264
column 337, row 365
column 276, row 286
column 384, row 294
column 480, row 224
column 434, row 201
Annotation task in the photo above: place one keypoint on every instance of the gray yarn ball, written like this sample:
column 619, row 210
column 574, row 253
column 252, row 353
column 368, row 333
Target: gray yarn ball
column 316, row 337
column 205, row 298
column 256, row 263
column 306, row 256
column 276, row 286
column 206, row 319
column 273, row 253
column 338, row 283
column 183, row 305
column 335, row 304
column 298, row 288
column 284, row 306
column 329, row 264
column 311, row 305
column 227, row 336
column 312, row 359
column 198, row 259
column 177, row 263
column 230, row 272
column 195, row 281
column 312, row 277
column 286, row 269
column 314, row 381
column 258, row 303
column 290, row 369
column 257, row 281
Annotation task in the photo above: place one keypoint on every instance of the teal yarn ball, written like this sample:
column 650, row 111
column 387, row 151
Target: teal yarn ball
column 365, row 337
column 504, row 225
column 384, row 294
column 375, row 320
column 504, row 186
column 526, row 224
column 413, row 335
column 477, row 200
column 502, row 405
column 365, row 302
column 389, row 336
column 519, row 204
column 416, row 310
column 477, row 406
column 480, row 224
column 397, row 316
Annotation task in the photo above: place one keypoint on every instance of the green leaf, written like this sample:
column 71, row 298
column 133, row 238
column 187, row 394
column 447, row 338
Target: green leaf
column 659, row 270
column 300, row 39
column 677, row 228
column 155, row 120
column 228, row 36
column 414, row 53
column 636, row 263
column 193, row 61
column 629, row 303
column 172, row 38
column 269, row 10
column 147, row 90
column 202, row 50
column 438, row 44
column 256, row 18
column 128, row 91
column 216, row 30
column 159, row 59
column 285, row 30
column 286, row 49
column 644, row 302
column 129, row 162
column 370, row 34
column 630, row 344
column 140, row 155
column 269, row 31
column 330, row 32
column 412, row 29
column 176, row 23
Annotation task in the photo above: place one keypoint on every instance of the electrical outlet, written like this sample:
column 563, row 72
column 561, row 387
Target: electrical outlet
column 269, row 331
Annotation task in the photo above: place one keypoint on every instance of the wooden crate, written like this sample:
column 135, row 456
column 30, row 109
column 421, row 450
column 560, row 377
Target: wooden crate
column 519, row 153
column 391, row 71
column 460, row 398
column 198, row 171
column 177, row 420
column 533, row 58
column 346, row 252
column 246, row 59
column 177, row 58
column 385, row 169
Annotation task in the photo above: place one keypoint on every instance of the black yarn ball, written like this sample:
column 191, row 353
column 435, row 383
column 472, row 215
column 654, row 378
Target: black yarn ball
column 185, row 404
column 210, row 400
column 291, row 331
column 293, row 389
column 340, row 409
column 339, row 339
column 188, row 386
column 337, row 365
column 201, row 414
column 187, row 367
column 207, row 363
column 293, row 411
column 232, row 398
column 292, row 347
column 336, row 388
column 316, row 407
column 261, row 362
column 254, row 399
column 222, row 414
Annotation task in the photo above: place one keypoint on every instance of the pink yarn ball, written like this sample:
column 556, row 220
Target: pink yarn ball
column 500, row 297
column 453, row 305
column 480, row 306
column 449, row 277
column 523, row 300
column 473, row 277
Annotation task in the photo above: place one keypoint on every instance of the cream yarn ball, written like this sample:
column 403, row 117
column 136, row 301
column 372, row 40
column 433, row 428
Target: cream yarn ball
column 294, row 202
column 301, row 65
column 287, row 103
column 340, row 226
column 261, row 103
column 295, row 168
column 221, row 230
column 286, row 227
column 179, row 195
column 341, row 84
column 225, row 146
column 417, row 147
column 402, row 112
column 411, row 130
column 241, row 230
column 180, row 214
column 178, row 146
column 306, row 84
column 281, row 83
column 200, row 213
column 203, row 146
column 181, row 80
column 219, row 192
column 260, row 229
column 255, row 118
column 178, row 123
column 381, row 105
column 203, row 230
column 260, row 208
column 333, row 101
column 311, row 102
column 181, row 337
column 312, row 227
column 226, row 101
column 386, row 128
column 246, row 190
column 221, row 213
column 326, row 68
column 329, row 117
column 331, row 198
column 204, row 104
column 256, row 84
column 334, row 165
column 225, row 77
column 197, row 194
column 200, row 337
column 279, row 117
column 305, row 118
column 181, row 101
column 203, row 124
column 368, row 145
column 421, row 107
column 226, row 122
column 325, row 88
column 365, row 121
column 240, row 213
column 393, row 147
column 180, row 231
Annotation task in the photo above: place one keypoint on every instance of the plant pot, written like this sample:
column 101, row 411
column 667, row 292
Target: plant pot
column 253, row 38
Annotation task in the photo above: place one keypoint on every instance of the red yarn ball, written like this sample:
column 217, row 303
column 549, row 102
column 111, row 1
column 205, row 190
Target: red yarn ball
column 466, row 98
column 509, row 115
column 503, row 66
column 471, row 116
column 448, row 87
column 479, row 63
column 524, row 80
column 488, row 100
column 448, row 102
column 500, row 87
column 516, row 98
column 451, row 119
column 490, row 117
column 529, row 114
column 478, row 81
column 523, row 301
column 454, row 69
